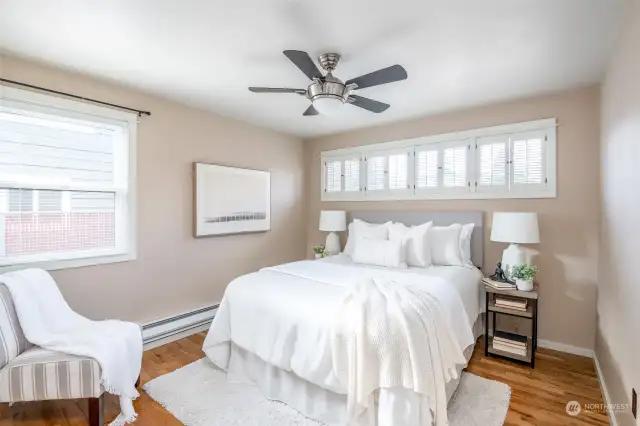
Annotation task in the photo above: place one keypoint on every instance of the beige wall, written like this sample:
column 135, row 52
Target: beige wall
column 175, row 272
column 568, row 223
column 618, row 328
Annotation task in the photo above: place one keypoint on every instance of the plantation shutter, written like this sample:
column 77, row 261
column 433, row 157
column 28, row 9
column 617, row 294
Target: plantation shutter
column 442, row 168
column 528, row 154
column 352, row 175
column 491, row 164
column 333, row 181
column 376, row 173
column 427, row 166
column 398, row 171
column 454, row 166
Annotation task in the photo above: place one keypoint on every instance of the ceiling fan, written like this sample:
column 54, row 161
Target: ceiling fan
column 327, row 93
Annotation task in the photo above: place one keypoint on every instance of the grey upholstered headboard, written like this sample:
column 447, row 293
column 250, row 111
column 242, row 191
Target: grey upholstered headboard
column 439, row 219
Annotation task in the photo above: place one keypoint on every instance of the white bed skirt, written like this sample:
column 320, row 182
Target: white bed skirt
column 394, row 407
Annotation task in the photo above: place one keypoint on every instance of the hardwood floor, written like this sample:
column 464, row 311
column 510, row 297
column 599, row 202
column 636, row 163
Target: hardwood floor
column 539, row 396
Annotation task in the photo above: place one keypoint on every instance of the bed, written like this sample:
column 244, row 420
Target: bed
column 274, row 328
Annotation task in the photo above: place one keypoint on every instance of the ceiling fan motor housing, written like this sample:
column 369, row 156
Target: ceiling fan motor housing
column 329, row 87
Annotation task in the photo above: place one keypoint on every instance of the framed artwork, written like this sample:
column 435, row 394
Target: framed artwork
column 230, row 200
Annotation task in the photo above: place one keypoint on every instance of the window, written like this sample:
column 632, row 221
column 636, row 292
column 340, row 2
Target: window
column 388, row 172
column 491, row 154
column 66, row 182
column 512, row 161
column 442, row 167
column 342, row 175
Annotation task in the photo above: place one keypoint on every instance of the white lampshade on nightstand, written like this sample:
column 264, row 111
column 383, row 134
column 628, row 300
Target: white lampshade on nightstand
column 515, row 229
column 333, row 221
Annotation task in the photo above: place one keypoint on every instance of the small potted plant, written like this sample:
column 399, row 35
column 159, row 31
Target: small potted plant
column 320, row 252
column 524, row 275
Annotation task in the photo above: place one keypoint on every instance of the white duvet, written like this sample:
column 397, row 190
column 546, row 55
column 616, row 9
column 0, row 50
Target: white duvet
column 290, row 315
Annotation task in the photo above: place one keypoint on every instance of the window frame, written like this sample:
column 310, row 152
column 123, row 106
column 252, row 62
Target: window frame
column 126, row 224
column 545, row 126
column 342, row 194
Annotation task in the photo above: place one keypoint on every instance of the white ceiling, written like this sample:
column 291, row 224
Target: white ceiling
column 205, row 53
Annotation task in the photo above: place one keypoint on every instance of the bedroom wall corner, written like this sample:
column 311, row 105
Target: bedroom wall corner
column 617, row 342
column 174, row 272
column 568, row 253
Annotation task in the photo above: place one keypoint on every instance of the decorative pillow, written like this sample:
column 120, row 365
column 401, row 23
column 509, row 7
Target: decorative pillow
column 415, row 242
column 361, row 229
column 465, row 244
column 444, row 242
column 379, row 252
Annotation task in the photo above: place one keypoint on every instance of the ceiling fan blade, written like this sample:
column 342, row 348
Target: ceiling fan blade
column 368, row 104
column 311, row 111
column 277, row 90
column 383, row 76
column 303, row 61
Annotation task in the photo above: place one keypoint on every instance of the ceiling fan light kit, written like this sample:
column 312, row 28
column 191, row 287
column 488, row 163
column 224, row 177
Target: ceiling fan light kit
column 327, row 93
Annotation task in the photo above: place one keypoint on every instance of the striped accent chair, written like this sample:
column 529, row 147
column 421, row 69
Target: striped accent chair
column 31, row 373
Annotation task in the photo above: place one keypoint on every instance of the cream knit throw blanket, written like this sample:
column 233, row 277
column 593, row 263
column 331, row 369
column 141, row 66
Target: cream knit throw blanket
column 48, row 322
column 394, row 334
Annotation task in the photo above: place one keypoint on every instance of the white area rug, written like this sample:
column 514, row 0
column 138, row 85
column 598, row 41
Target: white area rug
column 198, row 394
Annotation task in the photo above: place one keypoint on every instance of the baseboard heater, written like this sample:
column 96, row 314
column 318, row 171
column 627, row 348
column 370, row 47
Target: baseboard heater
column 167, row 327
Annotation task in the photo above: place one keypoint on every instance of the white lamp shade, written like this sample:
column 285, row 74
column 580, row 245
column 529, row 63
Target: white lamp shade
column 333, row 220
column 518, row 228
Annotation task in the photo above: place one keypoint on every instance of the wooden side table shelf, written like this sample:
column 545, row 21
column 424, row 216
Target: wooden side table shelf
column 531, row 314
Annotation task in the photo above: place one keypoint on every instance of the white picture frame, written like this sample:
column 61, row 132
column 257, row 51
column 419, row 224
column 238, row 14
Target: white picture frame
column 230, row 200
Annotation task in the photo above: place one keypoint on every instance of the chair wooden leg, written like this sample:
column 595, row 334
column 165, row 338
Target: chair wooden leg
column 96, row 411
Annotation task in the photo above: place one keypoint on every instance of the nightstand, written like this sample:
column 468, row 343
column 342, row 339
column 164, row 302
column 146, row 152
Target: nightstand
column 531, row 313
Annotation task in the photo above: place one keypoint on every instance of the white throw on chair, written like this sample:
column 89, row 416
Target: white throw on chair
column 47, row 351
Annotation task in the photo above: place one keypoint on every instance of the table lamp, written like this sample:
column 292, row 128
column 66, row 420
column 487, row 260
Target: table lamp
column 333, row 221
column 515, row 229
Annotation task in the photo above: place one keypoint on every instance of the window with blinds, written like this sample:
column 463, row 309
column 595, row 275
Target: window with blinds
column 528, row 160
column 64, row 181
column 388, row 171
column 442, row 168
column 511, row 161
column 342, row 175
column 491, row 167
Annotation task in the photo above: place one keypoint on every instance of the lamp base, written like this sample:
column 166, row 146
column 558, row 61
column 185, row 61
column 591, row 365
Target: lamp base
column 332, row 245
column 512, row 256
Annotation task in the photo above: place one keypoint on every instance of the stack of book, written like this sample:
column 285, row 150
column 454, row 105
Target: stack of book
column 509, row 342
column 498, row 284
column 511, row 303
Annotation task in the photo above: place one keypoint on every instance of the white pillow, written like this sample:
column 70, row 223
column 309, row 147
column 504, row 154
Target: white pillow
column 415, row 242
column 361, row 229
column 465, row 244
column 444, row 242
column 379, row 252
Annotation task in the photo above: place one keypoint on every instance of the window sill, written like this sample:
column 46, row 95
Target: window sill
column 52, row 265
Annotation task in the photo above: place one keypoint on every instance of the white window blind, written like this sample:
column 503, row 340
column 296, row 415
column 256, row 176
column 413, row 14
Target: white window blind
column 427, row 168
column 65, row 176
column 388, row 171
column 510, row 161
column 442, row 168
column 398, row 171
column 528, row 159
column 342, row 176
column 491, row 163
column 352, row 175
column 376, row 173
column 334, row 176
column 454, row 166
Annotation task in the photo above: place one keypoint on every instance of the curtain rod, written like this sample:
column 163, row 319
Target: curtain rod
column 30, row 86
